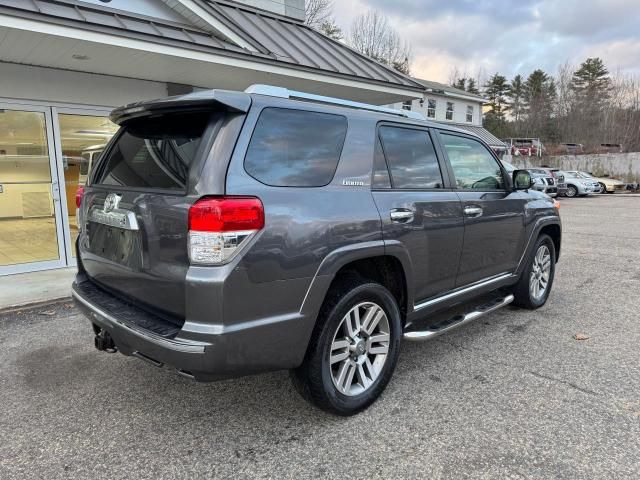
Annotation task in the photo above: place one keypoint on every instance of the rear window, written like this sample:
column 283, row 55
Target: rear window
column 294, row 148
column 155, row 152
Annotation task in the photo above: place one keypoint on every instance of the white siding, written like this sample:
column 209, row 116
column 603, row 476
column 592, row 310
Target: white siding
column 64, row 86
column 459, row 111
column 288, row 8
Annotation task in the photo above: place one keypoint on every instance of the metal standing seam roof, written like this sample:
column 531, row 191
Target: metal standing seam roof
column 483, row 133
column 277, row 39
column 429, row 84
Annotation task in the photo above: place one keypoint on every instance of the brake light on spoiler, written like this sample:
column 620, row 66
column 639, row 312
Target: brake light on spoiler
column 220, row 226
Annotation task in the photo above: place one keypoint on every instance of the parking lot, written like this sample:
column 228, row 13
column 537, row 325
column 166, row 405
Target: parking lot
column 514, row 395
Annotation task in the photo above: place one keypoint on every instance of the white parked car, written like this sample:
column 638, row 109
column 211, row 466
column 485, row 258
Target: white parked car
column 607, row 185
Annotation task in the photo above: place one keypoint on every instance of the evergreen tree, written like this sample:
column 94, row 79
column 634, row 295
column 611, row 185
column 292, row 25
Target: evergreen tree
column 591, row 85
column 516, row 97
column 496, row 91
column 331, row 30
column 459, row 83
column 539, row 95
column 471, row 87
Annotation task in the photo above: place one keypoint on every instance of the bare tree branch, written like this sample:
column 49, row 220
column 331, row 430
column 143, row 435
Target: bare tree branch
column 372, row 35
column 318, row 12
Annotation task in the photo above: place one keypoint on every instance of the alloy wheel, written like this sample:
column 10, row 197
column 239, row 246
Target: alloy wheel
column 359, row 348
column 540, row 273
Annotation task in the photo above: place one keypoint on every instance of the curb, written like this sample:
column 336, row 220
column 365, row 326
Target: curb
column 33, row 305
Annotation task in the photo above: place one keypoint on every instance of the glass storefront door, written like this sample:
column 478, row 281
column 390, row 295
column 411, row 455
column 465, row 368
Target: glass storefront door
column 83, row 136
column 46, row 153
column 31, row 230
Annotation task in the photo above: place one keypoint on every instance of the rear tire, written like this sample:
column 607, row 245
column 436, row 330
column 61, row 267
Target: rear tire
column 534, row 286
column 358, row 329
column 603, row 188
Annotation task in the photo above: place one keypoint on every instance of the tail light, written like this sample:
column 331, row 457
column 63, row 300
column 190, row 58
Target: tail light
column 79, row 195
column 220, row 226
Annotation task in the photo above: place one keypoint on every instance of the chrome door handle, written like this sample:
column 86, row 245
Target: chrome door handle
column 400, row 215
column 473, row 211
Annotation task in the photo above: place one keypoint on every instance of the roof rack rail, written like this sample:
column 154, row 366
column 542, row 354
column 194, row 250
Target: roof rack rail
column 281, row 92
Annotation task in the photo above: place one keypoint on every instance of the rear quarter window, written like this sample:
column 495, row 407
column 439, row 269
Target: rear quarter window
column 295, row 148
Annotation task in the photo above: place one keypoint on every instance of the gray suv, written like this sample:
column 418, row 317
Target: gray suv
column 229, row 233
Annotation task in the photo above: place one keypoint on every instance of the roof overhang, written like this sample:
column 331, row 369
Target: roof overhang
column 459, row 96
column 33, row 41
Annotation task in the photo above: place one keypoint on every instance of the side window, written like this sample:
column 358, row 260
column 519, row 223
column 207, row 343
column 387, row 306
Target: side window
column 411, row 157
column 469, row 113
column 449, row 112
column 473, row 165
column 380, row 172
column 295, row 148
column 431, row 108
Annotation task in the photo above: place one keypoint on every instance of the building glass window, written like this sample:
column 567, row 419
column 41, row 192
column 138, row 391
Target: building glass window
column 469, row 114
column 84, row 138
column 449, row 114
column 406, row 105
column 431, row 108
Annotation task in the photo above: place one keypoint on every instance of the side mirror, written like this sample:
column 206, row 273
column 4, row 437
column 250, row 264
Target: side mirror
column 522, row 180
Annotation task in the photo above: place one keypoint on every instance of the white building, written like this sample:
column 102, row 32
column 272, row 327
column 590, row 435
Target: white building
column 446, row 104
column 64, row 64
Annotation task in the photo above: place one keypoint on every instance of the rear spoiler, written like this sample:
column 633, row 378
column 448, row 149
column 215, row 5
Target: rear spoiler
column 198, row 101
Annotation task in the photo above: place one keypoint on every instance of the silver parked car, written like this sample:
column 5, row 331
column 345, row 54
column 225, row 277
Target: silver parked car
column 578, row 185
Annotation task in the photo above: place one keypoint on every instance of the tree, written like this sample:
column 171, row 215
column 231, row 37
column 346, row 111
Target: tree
column 317, row 12
column 372, row 35
column 516, row 97
column 459, row 83
column 496, row 91
column 591, row 83
column 471, row 86
column 331, row 30
column 539, row 96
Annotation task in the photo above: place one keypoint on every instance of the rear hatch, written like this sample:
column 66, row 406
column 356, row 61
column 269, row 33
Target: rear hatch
column 134, row 214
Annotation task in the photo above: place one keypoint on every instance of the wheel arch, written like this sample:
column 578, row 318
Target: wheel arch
column 386, row 264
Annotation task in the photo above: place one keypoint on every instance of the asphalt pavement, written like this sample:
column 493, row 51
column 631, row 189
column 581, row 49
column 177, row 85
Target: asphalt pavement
column 514, row 395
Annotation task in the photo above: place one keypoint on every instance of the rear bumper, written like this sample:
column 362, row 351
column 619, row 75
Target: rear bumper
column 217, row 353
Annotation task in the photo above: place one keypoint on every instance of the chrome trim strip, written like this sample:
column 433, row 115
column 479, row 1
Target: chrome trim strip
column 420, row 336
column 174, row 345
column 118, row 218
column 464, row 290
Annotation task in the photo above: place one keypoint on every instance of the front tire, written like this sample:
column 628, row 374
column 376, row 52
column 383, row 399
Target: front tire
column 603, row 188
column 353, row 350
column 534, row 286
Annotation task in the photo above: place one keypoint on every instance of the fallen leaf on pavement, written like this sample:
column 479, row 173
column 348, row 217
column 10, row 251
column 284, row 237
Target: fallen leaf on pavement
column 581, row 336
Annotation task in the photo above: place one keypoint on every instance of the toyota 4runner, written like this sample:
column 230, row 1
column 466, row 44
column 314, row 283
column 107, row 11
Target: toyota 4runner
column 229, row 233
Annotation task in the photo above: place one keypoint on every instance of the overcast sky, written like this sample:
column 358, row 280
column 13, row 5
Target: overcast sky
column 480, row 37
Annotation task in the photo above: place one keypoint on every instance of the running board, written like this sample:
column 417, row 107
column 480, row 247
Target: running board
column 457, row 320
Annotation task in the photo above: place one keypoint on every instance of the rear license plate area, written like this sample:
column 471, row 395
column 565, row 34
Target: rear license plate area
column 115, row 244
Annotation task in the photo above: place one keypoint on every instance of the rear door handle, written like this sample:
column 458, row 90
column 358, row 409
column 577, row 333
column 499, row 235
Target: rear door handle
column 402, row 215
column 473, row 211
